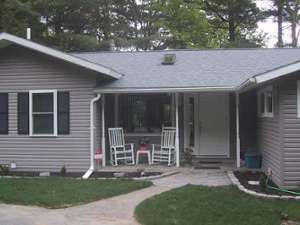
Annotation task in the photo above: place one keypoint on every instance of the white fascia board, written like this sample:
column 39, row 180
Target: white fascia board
column 277, row 73
column 61, row 55
column 164, row 90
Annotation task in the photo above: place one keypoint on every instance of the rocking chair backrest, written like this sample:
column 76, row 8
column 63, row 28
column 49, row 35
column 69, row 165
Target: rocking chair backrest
column 168, row 137
column 116, row 137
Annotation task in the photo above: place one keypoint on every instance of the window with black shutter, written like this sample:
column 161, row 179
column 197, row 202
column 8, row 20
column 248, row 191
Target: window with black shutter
column 23, row 113
column 49, row 114
column 3, row 113
column 63, row 116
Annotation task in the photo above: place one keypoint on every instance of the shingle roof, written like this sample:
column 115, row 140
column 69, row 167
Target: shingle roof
column 193, row 68
column 97, row 67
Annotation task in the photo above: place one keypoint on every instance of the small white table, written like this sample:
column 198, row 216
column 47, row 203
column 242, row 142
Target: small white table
column 145, row 151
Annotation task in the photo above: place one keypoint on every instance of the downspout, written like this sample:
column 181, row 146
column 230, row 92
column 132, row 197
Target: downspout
column 89, row 172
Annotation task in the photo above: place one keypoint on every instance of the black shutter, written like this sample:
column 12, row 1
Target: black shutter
column 3, row 113
column 63, row 113
column 23, row 113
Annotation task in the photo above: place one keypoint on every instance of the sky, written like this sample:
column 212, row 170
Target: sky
column 270, row 27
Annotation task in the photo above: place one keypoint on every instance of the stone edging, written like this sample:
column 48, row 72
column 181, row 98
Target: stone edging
column 236, row 182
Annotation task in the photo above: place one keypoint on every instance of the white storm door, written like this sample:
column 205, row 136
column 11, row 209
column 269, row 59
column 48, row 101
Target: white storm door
column 212, row 125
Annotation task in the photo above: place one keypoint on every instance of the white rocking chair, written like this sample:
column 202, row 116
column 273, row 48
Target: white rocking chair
column 165, row 152
column 118, row 149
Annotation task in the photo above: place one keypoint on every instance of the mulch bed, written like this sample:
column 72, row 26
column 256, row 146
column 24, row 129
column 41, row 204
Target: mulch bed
column 110, row 174
column 102, row 174
column 244, row 177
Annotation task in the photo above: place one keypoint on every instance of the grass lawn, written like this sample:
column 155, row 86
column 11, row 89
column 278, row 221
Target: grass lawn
column 194, row 205
column 58, row 192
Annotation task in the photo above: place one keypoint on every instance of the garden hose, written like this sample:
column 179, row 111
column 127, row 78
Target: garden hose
column 280, row 189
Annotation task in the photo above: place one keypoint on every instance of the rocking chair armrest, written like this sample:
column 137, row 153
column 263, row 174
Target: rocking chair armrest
column 129, row 144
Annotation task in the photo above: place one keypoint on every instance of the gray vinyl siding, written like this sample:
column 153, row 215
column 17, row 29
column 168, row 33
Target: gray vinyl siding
column 270, row 142
column 291, row 134
column 279, row 137
column 21, row 71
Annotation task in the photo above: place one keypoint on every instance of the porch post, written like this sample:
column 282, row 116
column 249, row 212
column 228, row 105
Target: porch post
column 173, row 119
column 238, row 146
column 177, row 129
column 103, row 131
column 116, row 110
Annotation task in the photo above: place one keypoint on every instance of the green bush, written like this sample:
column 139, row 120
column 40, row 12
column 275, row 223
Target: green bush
column 63, row 170
column 4, row 170
column 263, row 182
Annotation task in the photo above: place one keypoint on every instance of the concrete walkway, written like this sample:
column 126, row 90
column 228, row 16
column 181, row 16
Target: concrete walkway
column 113, row 211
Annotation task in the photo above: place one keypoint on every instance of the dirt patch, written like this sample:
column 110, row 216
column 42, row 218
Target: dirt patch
column 245, row 177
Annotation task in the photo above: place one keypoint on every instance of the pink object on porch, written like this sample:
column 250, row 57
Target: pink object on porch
column 98, row 157
column 143, row 150
column 98, row 154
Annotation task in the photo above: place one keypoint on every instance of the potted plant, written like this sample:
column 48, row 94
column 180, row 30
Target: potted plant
column 188, row 155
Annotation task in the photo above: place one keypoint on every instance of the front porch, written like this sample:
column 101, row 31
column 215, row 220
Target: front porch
column 206, row 123
column 224, row 165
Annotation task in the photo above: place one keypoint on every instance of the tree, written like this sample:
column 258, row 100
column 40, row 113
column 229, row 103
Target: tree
column 292, row 8
column 184, row 25
column 16, row 16
column 238, row 17
column 279, row 13
column 142, row 31
column 72, row 23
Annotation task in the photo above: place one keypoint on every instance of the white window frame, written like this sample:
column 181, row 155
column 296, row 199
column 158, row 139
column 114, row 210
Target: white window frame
column 265, row 91
column 31, row 93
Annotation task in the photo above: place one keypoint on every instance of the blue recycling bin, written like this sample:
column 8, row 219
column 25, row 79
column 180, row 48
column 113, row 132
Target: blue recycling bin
column 253, row 160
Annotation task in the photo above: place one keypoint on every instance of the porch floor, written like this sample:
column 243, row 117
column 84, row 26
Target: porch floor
column 226, row 165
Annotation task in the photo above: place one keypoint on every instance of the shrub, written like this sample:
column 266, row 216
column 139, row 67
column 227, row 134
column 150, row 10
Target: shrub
column 263, row 182
column 63, row 170
column 4, row 170
column 188, row 156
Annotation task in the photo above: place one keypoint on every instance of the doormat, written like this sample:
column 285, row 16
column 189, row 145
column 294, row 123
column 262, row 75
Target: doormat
column 207, row 167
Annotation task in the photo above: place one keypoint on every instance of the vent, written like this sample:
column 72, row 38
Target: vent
column 169, row 59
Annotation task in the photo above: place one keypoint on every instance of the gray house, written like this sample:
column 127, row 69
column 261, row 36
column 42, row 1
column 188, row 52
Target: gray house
column 55, row 108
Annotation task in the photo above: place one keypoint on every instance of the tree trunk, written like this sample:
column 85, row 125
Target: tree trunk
column 293, row 19
column 279, row 23
column 294, row 33
column 231, row 26
column 231, row 31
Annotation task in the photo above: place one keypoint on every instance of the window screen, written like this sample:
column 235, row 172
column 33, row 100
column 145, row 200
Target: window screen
column 42, row 113
column 144, row 113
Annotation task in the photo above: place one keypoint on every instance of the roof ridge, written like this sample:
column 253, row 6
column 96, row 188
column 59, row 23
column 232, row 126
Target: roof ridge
column 183, row 50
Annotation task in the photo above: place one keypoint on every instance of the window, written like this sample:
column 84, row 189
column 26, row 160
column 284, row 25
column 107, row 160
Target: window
column 144, row 113
column 3, row 113
column 266, row 102
column 43, row 113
